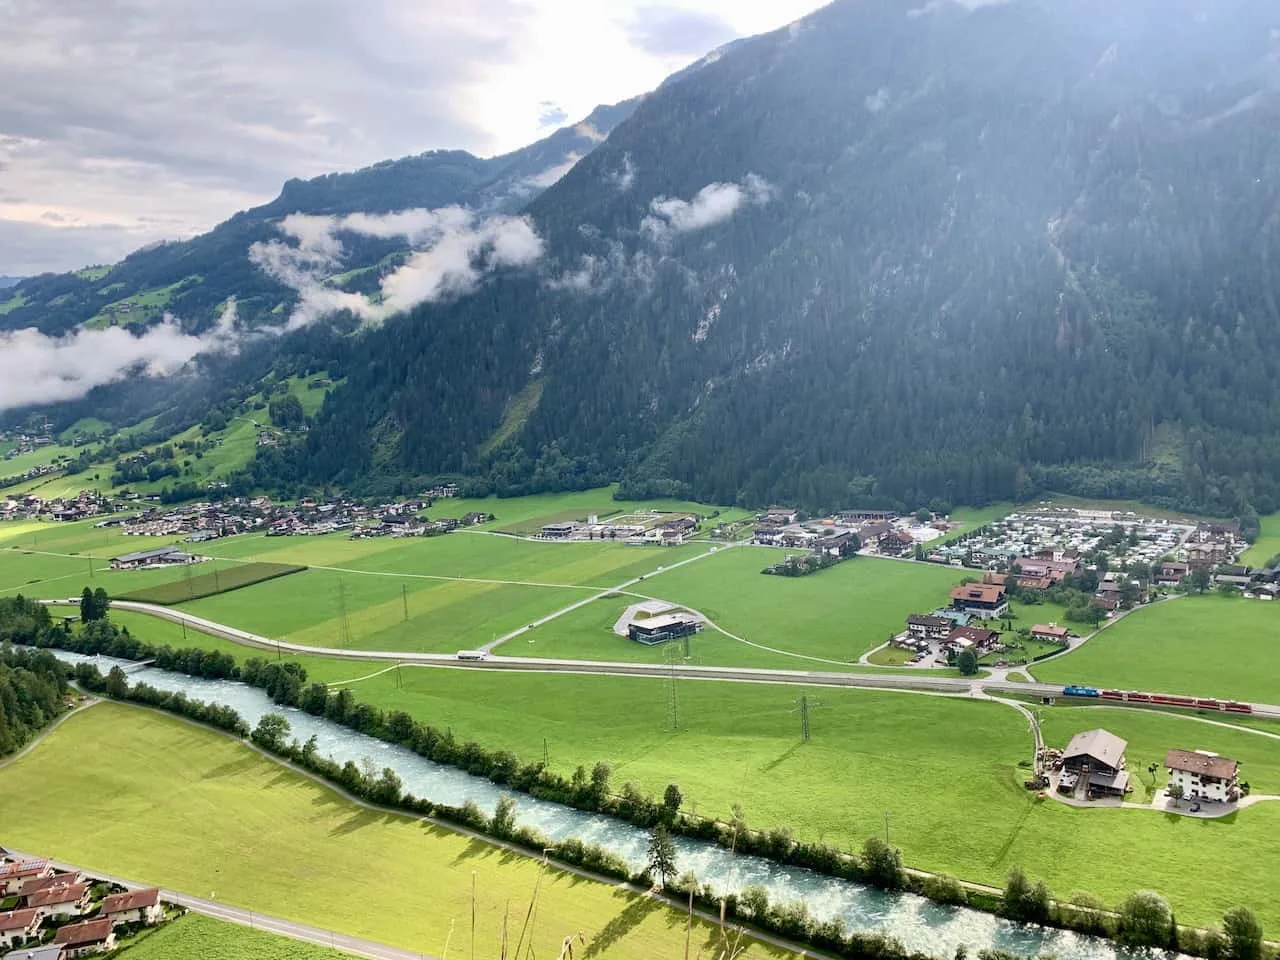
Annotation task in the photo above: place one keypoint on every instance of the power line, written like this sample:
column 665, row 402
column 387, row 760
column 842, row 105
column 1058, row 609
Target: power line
column 344, row 622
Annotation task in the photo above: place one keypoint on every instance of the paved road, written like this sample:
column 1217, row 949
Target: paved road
column 953, row 685
column 258, row 921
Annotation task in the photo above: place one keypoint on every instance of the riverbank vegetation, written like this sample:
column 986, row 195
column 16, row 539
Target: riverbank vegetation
column 946, row 770
column 269, row 840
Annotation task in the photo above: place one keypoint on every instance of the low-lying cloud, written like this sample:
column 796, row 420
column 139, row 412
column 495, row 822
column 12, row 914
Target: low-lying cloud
column 35, row 368
column 714, row 203
column 454, row 249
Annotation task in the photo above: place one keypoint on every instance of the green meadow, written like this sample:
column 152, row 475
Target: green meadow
column 836, row 614
column 1206, row 646
column 209, row 939
column 1267, row 545
column 218, row 821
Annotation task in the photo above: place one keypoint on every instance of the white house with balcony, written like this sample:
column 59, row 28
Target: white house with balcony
column 1203, row 775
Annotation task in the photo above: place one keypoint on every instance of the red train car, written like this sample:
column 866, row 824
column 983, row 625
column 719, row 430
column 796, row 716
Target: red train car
column 1233, row 706
column 1112, row 695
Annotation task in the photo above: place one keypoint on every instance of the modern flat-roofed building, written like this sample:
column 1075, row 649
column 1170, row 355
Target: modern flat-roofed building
column 663, row 627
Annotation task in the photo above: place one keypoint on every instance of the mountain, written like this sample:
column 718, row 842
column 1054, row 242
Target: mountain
column 6, row 282
column 902, row 251
column 192, row 279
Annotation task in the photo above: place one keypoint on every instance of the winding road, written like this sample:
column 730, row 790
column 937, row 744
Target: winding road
column 896, row 681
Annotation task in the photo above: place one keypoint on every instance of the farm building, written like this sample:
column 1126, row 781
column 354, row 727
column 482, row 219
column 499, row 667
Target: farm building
column 986, row 600
column 1203, row 775
column 160, row 556
column 558, row 531
column 1097, row 756
column 663, row 627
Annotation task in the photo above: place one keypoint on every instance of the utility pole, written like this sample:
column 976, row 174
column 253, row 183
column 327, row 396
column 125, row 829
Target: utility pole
column 886, row 827
column 404, row 595
column 546, row 755
column 803, row 705
column 344, row 624
column 673, row 698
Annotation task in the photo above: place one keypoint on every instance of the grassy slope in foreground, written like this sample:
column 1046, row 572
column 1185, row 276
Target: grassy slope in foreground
column 1205, row 646
column 214, row 819
column 197, row 936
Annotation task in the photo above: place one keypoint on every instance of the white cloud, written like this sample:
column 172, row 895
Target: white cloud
column 35, row 368
column 137, row 120
column 458, row 247
column 624, row 178
column 712, row 204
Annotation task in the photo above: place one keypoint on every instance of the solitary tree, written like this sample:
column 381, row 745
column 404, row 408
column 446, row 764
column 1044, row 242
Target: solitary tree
column 88, row 611
column 271, row 732
column 967, row 662
column 1023, row 901
column 881, row 864
column 117, row 683
column 672, row 798
column 1176, row 793
column 503, row 823
column 101, row 603
column 662, row 854
column 1243, row 934
column 1144, row 920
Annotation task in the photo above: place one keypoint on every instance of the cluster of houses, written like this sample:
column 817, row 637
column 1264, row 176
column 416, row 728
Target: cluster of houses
column 650, row 528
column 1093, row 767
column 87, row 503
column 24, row 443
column 61, row 915
column 963, row 625
column 1127, row 538
column 199, row 522
column 874, row 531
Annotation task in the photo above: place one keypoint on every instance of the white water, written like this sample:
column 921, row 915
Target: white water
column 919, row 923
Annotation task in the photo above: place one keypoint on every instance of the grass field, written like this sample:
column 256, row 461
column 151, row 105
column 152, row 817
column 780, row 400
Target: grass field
column 459, row 591
column 213, row 583
column 945, row 769
column 197, row 936
column 217, row 821
column 1206, row 646
column 1267, row 545
column 837, row 614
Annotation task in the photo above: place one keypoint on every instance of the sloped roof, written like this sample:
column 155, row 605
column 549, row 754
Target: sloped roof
column 1101, row 745
column 1205, row 764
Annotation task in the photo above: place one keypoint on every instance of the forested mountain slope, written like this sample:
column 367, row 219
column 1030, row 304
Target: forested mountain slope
column 955, row 253
column 193, row 279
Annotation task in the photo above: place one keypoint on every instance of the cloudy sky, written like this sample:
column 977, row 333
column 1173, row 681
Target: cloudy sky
column 128, row 121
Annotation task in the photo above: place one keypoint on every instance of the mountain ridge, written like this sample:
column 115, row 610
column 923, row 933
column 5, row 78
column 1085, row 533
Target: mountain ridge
column 957, row 290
